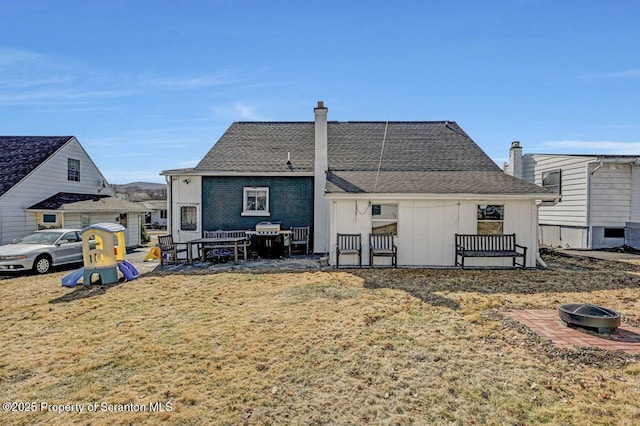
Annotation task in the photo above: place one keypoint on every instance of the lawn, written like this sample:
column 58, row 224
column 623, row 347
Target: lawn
column 338, row 347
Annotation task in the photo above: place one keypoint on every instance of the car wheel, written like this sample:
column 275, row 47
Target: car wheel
column 42, row 265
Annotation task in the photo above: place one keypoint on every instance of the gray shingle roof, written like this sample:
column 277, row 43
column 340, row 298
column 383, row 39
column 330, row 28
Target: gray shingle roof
column 20, row 155
column 435, row 157
column 408, row 146
column 430, row 182
column 262, row 147
column 70, row 202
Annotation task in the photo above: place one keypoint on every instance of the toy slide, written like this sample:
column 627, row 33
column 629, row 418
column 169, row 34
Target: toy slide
column 154, row 253
column 128, row 270
column 72, row 279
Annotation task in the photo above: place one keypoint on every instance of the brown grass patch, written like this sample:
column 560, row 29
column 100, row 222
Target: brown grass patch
column 352, row 347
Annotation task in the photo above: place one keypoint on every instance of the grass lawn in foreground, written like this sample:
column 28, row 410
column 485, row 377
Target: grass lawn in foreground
column 348, row 347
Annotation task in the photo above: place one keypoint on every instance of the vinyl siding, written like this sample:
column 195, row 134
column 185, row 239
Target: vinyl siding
column 635, row 194
column 46, row 180
column 427, row 228
column 132, row 234
column 572, row 209
column 611, row 195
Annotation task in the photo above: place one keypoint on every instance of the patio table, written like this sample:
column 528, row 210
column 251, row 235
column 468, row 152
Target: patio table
column 217, row 243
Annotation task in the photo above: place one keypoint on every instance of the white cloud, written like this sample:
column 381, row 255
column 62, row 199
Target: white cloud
column 613, row 74
column 10, row 58
column 239, row 111
column 194, row 82
column 587, row 147
column 58, row 95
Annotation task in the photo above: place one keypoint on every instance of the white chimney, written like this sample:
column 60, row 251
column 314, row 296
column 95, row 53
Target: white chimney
column 514, row 168
column 321, row 165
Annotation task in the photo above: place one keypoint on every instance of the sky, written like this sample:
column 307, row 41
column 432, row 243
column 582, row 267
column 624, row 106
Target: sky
column 151, row 85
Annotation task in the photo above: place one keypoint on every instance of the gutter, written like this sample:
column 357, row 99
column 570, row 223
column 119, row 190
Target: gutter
column 448, row 196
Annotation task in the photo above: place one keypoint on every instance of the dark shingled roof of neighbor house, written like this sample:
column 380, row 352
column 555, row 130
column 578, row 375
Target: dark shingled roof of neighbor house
column 412, row 157
column 71, row 202
column 20, row 155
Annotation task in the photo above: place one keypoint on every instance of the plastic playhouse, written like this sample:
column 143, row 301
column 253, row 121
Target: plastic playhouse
column 104, row 251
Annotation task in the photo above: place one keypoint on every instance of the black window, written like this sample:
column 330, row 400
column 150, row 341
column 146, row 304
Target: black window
column 553, row 181
column 614, row 232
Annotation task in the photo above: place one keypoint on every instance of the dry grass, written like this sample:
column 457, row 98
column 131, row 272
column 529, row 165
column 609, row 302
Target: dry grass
column 353, row 347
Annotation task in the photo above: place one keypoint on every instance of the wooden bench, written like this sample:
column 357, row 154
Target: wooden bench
column 473, row 245
column 349, row 244
column 225, row 250
column 382, row 245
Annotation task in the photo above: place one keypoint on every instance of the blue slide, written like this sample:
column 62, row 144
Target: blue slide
column 128, row 270
column 72, row 279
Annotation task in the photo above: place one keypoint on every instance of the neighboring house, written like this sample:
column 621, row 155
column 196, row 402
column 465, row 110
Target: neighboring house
column 422, row 181
column 156, row 216
column 600, row 197
column 51, row 182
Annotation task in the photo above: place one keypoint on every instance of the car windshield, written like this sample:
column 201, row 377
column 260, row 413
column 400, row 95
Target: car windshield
column 39, row 238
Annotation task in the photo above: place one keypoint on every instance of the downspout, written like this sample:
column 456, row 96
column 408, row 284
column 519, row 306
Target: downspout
column 169, row 183
column 541, row 262
column 588, row 212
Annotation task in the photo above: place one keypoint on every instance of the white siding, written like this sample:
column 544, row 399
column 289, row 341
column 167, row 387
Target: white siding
column 427, row 228
column 635, row 194
column 132, row 234
column 572, row 209
column 611, row 195
column 185, row 190
column 46, row 180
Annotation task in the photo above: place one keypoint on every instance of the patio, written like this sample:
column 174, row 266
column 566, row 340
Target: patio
column 546, row 323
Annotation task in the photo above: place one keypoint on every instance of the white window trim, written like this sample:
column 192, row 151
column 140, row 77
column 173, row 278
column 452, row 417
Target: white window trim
column 75, row 171
column 246, row 212
column 479, row 221
column 376, row 218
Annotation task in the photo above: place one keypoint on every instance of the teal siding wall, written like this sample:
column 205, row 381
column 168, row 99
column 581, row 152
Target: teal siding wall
column 290, row 201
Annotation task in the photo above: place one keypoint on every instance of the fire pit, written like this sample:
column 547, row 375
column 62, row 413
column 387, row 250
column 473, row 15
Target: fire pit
column 590, row 316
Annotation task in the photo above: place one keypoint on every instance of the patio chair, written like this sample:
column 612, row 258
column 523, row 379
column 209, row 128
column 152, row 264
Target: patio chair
column 299, row 237
column 382, row 245
column 349, row 244
column 170, row 251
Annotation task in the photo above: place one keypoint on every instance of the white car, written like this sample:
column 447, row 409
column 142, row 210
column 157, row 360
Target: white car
column 41, row 250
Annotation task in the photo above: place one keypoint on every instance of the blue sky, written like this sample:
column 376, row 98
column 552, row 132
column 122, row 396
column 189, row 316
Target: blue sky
column 151, row 85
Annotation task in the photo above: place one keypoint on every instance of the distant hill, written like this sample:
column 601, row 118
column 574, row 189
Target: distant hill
column 141, row 185
column 141, row 191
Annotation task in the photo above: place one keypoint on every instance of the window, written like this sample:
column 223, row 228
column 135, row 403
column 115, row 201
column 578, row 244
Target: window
column 85, row 219
column 384, row 219
column 255, row 201
column 614, row 232
column 73, row 170
column 490, row 219
column 49, row 218
column 72, row 237
column 188, row 218
column 163, row 214
column 553, row 181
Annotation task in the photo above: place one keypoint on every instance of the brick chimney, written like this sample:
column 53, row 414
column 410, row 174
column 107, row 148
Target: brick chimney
column 514, row 168
column 321, row 165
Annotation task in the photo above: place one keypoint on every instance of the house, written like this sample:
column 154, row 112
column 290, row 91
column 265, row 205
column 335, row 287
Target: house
column 600, row 197
column 156, row 216
column 51, row 182
column 421, row 181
